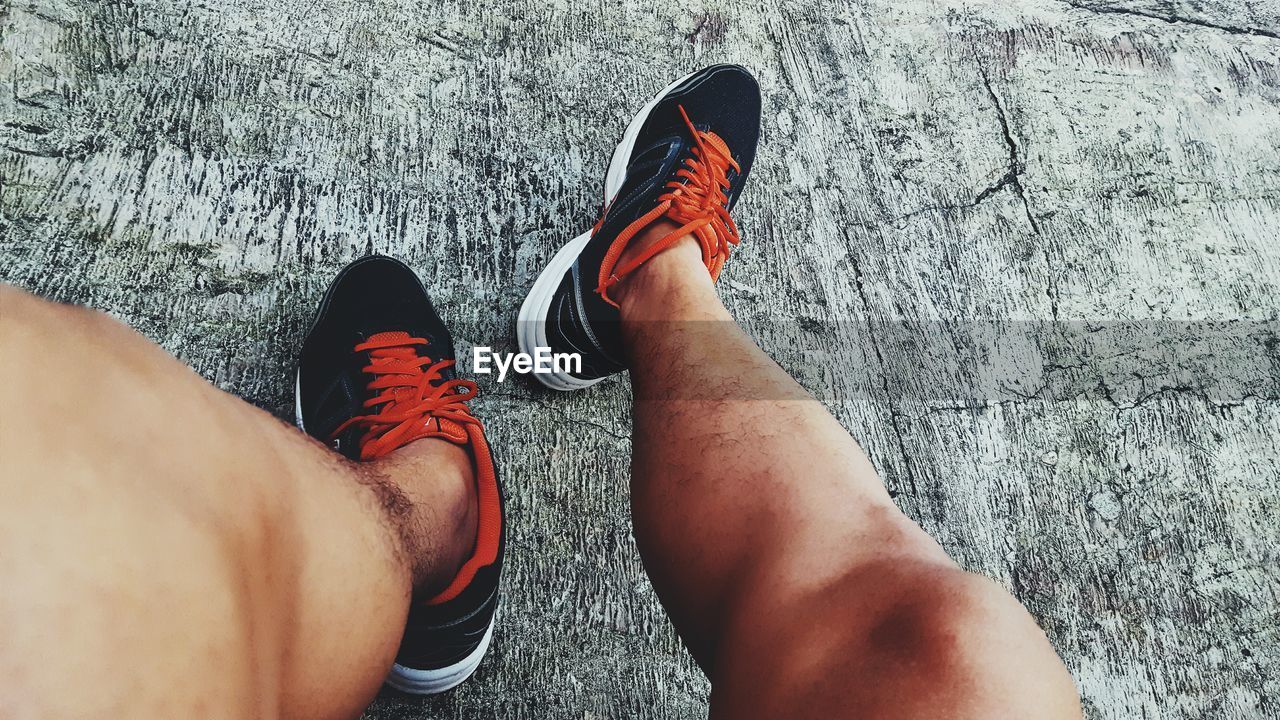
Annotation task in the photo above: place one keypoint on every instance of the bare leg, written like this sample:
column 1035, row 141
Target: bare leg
column 794, row 580
column 166, row 550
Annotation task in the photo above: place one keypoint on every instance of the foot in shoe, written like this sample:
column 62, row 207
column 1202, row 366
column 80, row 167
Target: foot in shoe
column 376, row 374
column 674, row 179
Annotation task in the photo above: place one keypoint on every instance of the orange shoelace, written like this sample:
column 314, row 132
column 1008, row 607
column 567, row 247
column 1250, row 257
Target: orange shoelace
column 413, row 402
column 417, row 403
column 695, row 200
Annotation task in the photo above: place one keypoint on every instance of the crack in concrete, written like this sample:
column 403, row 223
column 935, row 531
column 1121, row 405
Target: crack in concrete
column 1013, row 178
column 1016, row 165
column 1174, row 19
column 974, row 407
column 978, row 199
column 1105, row 393
column 1193, row 391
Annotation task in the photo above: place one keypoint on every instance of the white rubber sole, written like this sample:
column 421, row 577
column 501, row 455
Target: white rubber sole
column 430, row 682
column 403, row 678
column 297, row 400
column 531, row 325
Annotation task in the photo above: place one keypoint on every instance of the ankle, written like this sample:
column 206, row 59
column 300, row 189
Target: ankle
column 439, row 525
column 650, row 290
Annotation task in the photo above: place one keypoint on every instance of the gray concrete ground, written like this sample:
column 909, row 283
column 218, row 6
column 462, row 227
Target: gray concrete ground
column 1026, row 252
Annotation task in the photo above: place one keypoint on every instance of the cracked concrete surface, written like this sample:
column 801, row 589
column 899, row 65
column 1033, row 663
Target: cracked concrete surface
column 1013, row 176
column 1025, row 252
column 1264, row 16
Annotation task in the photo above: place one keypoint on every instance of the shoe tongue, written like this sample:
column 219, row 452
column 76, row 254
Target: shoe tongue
column 393, row 335
column 714, row 140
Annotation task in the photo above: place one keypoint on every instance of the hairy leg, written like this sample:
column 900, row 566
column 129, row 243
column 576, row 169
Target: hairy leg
column 792, row 577
column 170, row 551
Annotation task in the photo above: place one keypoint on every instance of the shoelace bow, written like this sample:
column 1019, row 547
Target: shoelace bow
column 696, row 200
column 410, row 397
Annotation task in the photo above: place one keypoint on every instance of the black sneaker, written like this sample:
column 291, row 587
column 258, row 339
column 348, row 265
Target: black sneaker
column 377, row 373
column 685, row 158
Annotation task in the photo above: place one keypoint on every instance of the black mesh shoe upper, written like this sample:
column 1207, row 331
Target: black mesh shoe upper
column 723, row 99
column 370, row 296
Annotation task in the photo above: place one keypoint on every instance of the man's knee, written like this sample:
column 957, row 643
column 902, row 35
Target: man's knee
column 940, row 617
column 955, row 639
column 897, row 637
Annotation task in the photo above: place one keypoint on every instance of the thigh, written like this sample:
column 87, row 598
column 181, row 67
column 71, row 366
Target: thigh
column 169, row 550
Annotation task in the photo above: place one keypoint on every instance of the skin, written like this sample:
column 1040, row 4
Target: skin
column 193, row 581
column 167, row 550
column 796, row 583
